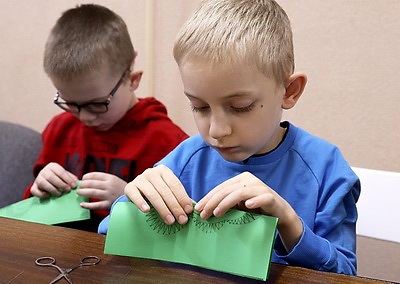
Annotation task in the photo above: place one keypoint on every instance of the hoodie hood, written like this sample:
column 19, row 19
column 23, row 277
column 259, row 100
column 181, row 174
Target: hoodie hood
column 144, row 110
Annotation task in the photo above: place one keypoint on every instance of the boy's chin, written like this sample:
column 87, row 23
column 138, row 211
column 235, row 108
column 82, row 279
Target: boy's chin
column 234, row 157
column 101, row 127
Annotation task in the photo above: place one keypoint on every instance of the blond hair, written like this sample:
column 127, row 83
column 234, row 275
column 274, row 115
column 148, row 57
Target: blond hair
column 85, row 39
column 252, row 32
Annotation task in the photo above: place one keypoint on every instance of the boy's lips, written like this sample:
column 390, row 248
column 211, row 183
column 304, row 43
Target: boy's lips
column 225, row 149
column 99, row 127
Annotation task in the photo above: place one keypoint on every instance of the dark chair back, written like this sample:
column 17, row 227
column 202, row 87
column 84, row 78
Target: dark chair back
column 19, row 149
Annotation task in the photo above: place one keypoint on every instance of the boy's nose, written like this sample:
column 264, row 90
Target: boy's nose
column 86, row 117
column 219, row 127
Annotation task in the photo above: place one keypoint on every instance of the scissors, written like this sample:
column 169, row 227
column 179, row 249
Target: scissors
column 64, row 273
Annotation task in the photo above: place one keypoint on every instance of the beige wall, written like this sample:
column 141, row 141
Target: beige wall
column 348, row 49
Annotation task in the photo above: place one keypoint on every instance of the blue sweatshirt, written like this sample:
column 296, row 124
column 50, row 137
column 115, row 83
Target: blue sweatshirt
column 308, row 172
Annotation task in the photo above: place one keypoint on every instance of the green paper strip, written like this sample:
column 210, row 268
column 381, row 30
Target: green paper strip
column 49, row 211
column 238, row 243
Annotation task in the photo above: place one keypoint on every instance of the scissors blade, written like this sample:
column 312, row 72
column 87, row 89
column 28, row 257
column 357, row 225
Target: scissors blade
column 63, row 274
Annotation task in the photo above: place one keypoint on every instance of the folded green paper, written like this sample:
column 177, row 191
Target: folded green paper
column 49, row 211
column 239, row 243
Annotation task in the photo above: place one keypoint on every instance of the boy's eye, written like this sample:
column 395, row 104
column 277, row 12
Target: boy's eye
column 232, row 108
column 243, row 109
column 199, row 108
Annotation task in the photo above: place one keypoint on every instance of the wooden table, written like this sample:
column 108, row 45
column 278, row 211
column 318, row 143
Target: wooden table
column 22, row 242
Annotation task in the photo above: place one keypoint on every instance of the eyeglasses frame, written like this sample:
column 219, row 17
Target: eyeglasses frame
column 105, row 103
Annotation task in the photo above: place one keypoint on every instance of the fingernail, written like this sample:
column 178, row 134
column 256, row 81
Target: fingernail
column 203, row 214
column 145, row 207
column 197, row 207
column 249, row 203
column 188, row 208
column 182, row 219
column 170, row 219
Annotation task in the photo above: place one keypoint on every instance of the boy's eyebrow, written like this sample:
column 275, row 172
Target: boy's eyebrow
column 238, row 94
column 90, row 101
column 190, row 96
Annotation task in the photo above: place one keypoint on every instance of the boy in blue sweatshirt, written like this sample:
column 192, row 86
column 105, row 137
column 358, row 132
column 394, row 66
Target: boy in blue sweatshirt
column 237, row 66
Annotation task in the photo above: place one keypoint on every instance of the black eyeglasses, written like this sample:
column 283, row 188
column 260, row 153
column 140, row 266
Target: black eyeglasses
column 94, row 107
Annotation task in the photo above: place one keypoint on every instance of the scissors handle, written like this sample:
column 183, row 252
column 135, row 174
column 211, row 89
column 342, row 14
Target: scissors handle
column 90, row 260
column 45, row 261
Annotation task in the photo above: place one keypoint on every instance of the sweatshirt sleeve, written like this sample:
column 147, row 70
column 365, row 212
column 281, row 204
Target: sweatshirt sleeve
column 103, row 226
column 331, row 245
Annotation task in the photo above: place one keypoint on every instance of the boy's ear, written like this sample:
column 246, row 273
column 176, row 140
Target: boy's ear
column 134, row 79
column 294, row 88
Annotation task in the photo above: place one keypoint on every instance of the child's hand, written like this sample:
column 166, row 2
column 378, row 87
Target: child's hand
column 248, row 193
column 53, row 179
column 164, row 191
column 103, row 186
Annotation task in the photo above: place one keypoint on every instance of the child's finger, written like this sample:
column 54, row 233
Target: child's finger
column 59, row 177
column 96, row 176
column 157, row 185
column 153, row 187
column 35, row 191
column 134, row 194
column 179, row 192
column 172, row 194
column 98, row 205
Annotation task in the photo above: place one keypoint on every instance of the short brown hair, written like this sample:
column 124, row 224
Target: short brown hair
column 85, row 39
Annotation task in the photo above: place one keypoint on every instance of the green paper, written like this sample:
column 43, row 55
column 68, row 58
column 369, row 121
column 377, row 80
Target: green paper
column 49, row 211
column 238, row 243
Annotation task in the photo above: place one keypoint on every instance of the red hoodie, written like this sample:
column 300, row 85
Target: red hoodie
column 140, row 139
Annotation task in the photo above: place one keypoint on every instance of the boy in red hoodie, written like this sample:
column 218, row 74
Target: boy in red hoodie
column 107, row 135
